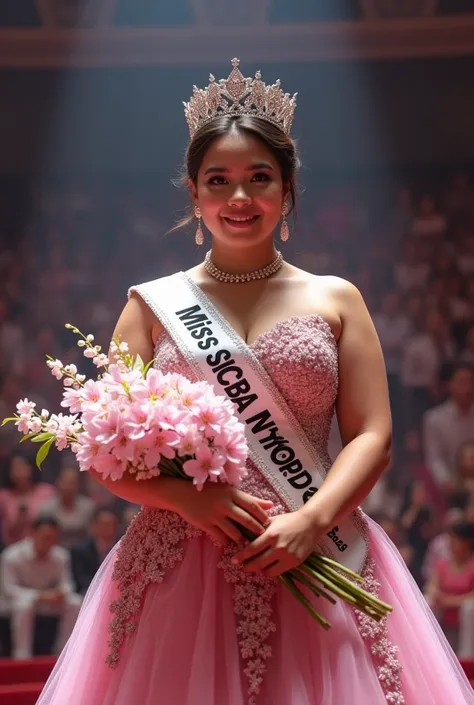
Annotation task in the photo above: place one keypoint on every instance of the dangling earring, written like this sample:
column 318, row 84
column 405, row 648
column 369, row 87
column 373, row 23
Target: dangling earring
column 284, row 230
column 199, row 238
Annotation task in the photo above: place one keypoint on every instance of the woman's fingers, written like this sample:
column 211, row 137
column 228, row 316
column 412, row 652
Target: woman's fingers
column 253, row 507
column 247, row 520
column 230, row 529
column 217, row 534
column 261, row 562
column 265, row 503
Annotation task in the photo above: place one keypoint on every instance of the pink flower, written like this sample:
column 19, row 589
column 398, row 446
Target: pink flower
column 125, row 448
column 73, row 398
column 23, row 423
column 233, row 444
column 205, row 466
column 25, row 407
column 189, row 441
column 56, row 367
column 138, row 421
column 105, row 429
column 35, row 424
column 100, row 360
column 87, row 452
column 233, row 473
column 211, row 417
column 108, row 465
column 162, row 443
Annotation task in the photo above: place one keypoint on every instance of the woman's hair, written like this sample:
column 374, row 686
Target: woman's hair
column 35, row 473
column 464, row 531
column 281, row 146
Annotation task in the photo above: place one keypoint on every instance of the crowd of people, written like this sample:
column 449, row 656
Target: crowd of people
column 409, row 250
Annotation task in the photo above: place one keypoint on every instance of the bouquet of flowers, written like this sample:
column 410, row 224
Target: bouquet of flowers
column 135, row 420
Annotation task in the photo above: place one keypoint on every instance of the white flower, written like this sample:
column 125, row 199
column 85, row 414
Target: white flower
column 101, row 360
column 72, row 369
column 90, row 338
column 81, row 343
column 90, row 352
column 80, row 378
column 123, row 348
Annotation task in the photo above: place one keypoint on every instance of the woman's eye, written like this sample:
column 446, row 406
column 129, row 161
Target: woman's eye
column 217, row 180
column 261, row 176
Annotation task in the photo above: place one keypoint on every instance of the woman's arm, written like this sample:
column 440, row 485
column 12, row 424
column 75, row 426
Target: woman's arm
column 363, row 413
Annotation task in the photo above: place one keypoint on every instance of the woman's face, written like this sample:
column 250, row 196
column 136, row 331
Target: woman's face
column 21, row 473
column 239, row 190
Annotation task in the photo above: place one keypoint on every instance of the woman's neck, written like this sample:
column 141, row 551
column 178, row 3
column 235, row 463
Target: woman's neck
column 242, row 260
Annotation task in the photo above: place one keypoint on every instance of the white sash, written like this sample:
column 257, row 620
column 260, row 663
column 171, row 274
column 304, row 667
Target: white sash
column 277, row 443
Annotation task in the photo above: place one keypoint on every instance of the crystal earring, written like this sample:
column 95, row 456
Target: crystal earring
column 199, row 238
column 284, row 230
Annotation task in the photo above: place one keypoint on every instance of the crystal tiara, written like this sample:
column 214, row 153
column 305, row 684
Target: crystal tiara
column 237, row 95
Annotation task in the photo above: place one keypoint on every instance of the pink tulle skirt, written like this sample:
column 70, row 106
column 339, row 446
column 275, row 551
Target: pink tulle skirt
column 185, row 651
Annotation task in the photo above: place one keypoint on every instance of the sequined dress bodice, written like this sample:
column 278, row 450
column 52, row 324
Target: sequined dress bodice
column 300, row 356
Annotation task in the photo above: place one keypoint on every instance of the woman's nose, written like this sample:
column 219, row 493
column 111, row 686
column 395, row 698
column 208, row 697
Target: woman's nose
column 240, row 197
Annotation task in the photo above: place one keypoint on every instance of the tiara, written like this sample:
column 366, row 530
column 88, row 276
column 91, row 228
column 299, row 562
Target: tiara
column 237, row 95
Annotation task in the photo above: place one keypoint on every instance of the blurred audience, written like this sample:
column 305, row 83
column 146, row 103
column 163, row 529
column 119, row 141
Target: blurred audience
column 449, row 425
column 87, row 555
column 450, row 590
column 72, row 510
column 36, row 579
column 21, row 498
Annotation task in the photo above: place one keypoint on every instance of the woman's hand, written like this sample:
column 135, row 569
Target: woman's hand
column 285, row 544
column 217, row 506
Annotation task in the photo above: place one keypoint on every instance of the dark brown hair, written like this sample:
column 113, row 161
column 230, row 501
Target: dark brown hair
column 281, row 146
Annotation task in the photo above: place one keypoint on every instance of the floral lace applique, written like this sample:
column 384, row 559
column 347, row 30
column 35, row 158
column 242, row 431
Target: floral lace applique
column 152, row 545
column 384, row 653
column 253, row 593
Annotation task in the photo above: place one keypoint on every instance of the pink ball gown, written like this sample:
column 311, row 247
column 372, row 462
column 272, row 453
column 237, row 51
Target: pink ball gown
column 169, row 620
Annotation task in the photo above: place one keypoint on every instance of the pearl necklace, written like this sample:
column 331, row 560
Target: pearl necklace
column 262, row 273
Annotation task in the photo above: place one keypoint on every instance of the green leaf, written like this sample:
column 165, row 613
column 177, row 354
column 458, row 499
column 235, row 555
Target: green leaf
column 138, row 363
column 42, row 453
column 10, row 419
column 42, row 437
column 27, row 437
column 148, row 367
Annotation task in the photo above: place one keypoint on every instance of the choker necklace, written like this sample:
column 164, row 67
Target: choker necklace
column 262, row 273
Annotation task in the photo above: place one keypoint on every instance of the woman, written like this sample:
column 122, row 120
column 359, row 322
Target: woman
column 21, row 499
column 451, row 590
column 208, row 621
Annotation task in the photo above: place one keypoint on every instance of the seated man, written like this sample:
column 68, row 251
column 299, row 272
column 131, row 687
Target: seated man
column 86, row 556
column 36, row 580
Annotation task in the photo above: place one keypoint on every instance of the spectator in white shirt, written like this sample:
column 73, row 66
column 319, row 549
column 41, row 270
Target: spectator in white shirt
column 448, row 426
column 36, row 579
column 423, row 357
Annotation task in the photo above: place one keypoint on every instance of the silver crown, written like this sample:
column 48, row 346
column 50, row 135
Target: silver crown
column 237, row 95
